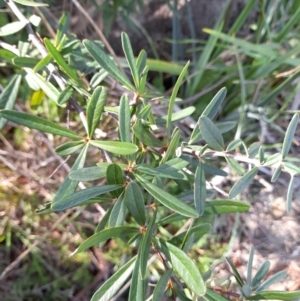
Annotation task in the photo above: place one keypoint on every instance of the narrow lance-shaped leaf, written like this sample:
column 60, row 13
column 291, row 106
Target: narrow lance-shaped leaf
column 172, row 146
column 276, row 295
column 8, row 96
column 141, row 61
column 289, row 136
column 104, row 236
column 213, row 296
column 124, row 119
column 260, row 274
column 46, row 86
column 135, row 203
column 222, row 206
column 130, row 59
column 65, row 95
column 249, row 267
column 213, row 107
column 89, row 173
column 145, row 136
column 30, row 3
column 114, row 176
column 106, row 63
column 200, row 189
column 161, row 285
column 273, row 279
column 69, row 148
column 68, row 186
column 79, row 197
column 118, row 213
column 38, row 123
column 145, row 246
column 63, row 26
column 211, row 134
column 290, row 191
column 235, row 272
column 11, row 28
column 60, row 60
column 137, row 291
column 167, row 199
column 95, row 109
column 184, row 266
column 243, row 182
column 116, row 147
column 113, row 285
column 173, row 97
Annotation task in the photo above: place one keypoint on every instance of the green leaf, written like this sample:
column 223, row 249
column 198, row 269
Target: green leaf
column 289, row 197
column 144, row 249
column 98, row 78
column 43, row 63
column 45, row 210
column 243, row 182
column 106, row 63
column 114, row 176
column 46, row 86
column 69, row 148
column 89, row 173
column 172, row 146
column 116, row 147
column 237, row 275
column 30, row 3
column 276, row 295
column 79, row 197
column 60, row 60
column 137, row 291
column 124, row 119
column 212, row 296
column 260, row 274
column 211, row 134
column 254, row 149
column 11, row 28
column 235, row 165
column 8, row 96
column 164, row 66
column 222, row 206
column 135, row 203
column 65, row 95
column 95, row 109
column 141, row 61
column 168, row 170
column 37, row 123
column 145, row 136
column 234, row 145
column 118, row 213
column 63, row 26
column 273, row 279
column 161, row 285
column 200, row 189
column 103, row 222
column 167, row 199
column 249, row 269
column 173, row 97
column 25, row 62
column 272, row 160
column 184, row 266
column 113, row 285
column 104, row 236
column 197, row 232
column 289, row 136
column 69, row 186
column 130, row 59
column 213, row 107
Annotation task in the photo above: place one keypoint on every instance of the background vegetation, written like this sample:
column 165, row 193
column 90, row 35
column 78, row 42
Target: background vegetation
column 260, row 73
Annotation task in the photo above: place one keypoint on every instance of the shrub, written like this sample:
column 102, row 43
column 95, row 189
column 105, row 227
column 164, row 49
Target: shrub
column 151, row 183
